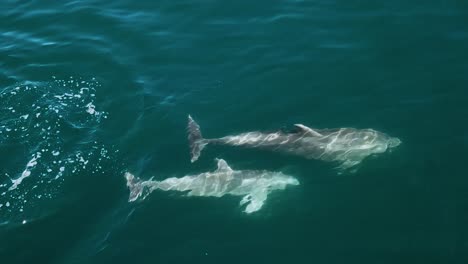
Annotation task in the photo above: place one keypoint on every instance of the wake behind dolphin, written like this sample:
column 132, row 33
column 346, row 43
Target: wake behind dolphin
column 348, row 146
column 253, row 185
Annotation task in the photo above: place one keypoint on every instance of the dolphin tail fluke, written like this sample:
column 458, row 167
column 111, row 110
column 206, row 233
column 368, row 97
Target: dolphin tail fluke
column 196, row 140
column 135, row 186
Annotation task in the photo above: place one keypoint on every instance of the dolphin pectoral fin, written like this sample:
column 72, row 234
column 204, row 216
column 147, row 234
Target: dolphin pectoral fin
column 223, row 166
column 306, row 129
column 254, row 201
column 245, row 199
column 349, row 166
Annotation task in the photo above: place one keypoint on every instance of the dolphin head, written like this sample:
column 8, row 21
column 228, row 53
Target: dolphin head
column 384, row 143
column 367, row 142
column 281, row 180
column 393, row 142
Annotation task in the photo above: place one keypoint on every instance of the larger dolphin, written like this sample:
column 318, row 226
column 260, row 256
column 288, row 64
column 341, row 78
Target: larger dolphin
column 253, row 185
column 348, row 146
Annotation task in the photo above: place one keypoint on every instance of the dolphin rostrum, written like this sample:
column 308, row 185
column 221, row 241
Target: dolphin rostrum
column 253, row 185
column 347, row 146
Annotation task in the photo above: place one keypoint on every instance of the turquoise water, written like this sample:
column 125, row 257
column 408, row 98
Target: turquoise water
column 90, row 90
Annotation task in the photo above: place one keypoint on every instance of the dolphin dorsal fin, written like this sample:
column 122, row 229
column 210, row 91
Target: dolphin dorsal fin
column 306, row 129
column 223, row 166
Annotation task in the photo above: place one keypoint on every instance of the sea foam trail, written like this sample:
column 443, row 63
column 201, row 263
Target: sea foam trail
column 26, row 173
column 39, row 121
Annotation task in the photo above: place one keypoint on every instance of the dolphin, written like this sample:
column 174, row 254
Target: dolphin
column 347, row 146
column 253, row 185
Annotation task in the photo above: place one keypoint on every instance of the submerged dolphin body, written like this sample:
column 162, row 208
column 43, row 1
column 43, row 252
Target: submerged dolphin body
column 348, row 146
column 253, row 185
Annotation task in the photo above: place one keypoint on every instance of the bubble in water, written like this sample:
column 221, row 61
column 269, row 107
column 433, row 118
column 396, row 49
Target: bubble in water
column 40, row 124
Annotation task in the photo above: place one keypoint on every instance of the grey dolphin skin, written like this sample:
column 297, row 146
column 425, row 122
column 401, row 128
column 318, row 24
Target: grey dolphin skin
column 253, row 185
column 347, row 146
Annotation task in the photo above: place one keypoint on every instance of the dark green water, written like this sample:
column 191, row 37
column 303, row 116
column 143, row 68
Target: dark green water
column 89, row 90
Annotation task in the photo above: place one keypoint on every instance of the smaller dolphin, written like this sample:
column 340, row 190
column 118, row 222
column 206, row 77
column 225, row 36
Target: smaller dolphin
column 347, row 146
column 253, row 185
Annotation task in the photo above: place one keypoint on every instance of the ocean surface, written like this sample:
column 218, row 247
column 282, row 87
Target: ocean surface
column 90, row 90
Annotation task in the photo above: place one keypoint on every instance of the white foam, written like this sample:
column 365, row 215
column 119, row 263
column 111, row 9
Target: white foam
column 55, row 105
column 26, row 173
column 91, row 109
